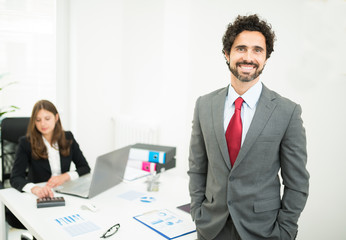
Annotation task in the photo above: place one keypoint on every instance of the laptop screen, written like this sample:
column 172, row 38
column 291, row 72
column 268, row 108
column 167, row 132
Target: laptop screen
column 109, row 170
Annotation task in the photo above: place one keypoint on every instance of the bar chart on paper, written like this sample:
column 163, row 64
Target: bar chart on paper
column 76, row 225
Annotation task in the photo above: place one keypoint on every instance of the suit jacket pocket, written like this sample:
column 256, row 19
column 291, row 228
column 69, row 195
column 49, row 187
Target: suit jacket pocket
column 267, row 205
column 209, row 196
column 197, row 213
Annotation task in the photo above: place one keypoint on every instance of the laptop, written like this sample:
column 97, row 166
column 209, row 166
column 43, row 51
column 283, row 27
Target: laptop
column 109, row 171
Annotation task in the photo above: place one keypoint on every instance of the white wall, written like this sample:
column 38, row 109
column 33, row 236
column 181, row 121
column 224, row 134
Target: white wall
column 151, row 59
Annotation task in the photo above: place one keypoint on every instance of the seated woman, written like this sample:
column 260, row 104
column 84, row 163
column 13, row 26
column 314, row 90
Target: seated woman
column 47, row 152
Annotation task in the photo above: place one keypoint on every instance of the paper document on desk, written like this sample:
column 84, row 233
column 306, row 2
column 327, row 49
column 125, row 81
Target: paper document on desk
column 133, row 174
column 76, row 225
column 167, row 223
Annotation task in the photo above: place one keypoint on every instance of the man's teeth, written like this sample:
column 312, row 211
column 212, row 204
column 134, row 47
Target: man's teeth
column 247, row 67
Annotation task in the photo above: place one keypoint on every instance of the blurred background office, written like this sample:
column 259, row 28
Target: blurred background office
column 131, row 70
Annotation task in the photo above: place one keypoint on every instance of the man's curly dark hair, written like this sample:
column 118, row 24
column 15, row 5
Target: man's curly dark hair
column 249, row 23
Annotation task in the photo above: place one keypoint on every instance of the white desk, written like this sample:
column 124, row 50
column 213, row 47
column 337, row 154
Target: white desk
column 113, row 208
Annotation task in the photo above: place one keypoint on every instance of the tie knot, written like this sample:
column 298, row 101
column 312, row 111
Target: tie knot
column 238, row 102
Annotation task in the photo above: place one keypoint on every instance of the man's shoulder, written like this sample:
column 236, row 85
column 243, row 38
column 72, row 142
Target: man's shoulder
column 278, row 98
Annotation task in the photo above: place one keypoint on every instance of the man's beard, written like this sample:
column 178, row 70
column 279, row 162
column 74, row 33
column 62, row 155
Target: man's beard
column 246, row 78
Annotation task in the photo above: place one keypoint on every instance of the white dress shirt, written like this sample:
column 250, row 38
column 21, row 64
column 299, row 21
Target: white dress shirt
column 248, row 108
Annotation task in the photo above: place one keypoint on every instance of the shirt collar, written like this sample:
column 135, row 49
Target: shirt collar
column 48, row 146
column 250, row 97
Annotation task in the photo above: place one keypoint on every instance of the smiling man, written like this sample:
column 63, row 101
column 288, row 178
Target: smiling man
column 247, row 54
column 242, row 137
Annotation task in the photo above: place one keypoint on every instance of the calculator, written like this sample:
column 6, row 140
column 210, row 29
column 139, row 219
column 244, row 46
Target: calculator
column 50, row 202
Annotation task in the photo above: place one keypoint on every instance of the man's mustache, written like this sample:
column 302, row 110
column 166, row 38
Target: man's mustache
column 247, row 63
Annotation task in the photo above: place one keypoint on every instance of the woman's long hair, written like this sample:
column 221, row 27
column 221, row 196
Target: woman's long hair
column 38, row 148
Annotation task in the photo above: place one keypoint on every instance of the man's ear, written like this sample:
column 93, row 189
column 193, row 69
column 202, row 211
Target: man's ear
column 227, row 57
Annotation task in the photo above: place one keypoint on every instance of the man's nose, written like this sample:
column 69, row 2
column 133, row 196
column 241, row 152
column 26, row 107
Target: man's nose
column 248, row 56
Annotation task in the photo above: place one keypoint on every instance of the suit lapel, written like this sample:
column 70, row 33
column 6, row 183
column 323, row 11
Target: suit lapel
column 263, row 112
column 218, row 106
column 45, row 164
column 63, row 163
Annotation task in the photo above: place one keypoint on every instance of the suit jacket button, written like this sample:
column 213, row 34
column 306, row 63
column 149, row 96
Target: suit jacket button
column 229, row 202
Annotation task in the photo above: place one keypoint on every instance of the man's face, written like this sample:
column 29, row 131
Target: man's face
column 248, row 56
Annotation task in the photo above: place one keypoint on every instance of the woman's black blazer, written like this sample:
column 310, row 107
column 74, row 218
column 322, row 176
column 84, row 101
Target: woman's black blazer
column 39, row 169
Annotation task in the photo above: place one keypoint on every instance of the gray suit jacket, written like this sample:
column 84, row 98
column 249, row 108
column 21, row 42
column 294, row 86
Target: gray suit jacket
column 250, row 191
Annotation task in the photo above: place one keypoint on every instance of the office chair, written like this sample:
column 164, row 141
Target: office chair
column 11, row 130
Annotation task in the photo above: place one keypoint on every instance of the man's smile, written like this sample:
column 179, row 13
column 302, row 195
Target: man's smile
column 247, row 67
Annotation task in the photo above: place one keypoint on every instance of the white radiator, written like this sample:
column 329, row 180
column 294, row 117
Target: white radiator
column 129, row 130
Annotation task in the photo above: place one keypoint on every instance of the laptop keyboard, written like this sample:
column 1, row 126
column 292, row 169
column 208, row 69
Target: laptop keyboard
column 81, row 185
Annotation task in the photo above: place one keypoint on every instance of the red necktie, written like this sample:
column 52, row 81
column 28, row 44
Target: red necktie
column 234, row 131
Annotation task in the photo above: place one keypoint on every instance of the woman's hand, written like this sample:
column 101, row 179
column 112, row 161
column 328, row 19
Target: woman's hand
column 58, row 180
column 41, row 192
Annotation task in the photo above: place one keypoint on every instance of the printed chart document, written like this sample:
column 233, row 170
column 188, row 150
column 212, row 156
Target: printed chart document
column 76, row 225
column 167, row 223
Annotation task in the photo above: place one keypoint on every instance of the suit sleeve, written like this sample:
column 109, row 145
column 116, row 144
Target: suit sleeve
column 82, row 166
column 293, row 157
column 198, row 163
column 23, row 155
